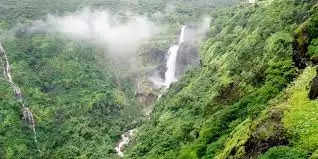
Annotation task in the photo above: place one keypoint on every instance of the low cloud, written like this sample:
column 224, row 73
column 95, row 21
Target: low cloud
column 198, row 31
column 204, row 27
column 119, row 35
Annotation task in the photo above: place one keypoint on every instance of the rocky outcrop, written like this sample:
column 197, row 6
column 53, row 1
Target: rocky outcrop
column 304, row 35
column 158, row 58
column 145, row 92
column 313, row 92
column 267, row 133
column 252, row 138
column 314, row 60
column 301, row 46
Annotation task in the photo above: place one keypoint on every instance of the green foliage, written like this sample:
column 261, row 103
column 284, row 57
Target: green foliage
column 15, row 137
column 312, row 26
column 3, row 26
column 283, row 152
column 236, row 140
column 215, row 148
column 314, row 155
column 313, row 48
column 170, row 12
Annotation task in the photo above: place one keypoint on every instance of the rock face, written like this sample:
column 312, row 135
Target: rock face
column 268, row 132
column 188, row 56
column 145, row 92
column 300, row 46
column 314, row 60
column 313, row 93
column 158, row 56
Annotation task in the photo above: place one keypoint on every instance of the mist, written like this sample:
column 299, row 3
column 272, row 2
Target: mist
column 198, row 31
column 120, row 35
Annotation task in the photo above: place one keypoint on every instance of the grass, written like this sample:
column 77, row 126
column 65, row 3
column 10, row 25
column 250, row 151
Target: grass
column 301, row 117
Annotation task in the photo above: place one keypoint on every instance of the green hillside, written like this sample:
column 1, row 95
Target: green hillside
column 248, row 98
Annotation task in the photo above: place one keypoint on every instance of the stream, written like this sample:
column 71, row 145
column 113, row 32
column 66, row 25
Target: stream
column 125, row 139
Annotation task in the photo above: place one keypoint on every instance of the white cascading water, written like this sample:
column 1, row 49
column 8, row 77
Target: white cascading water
column 170, row 77
column 26, row 112
column 125, row 139
column 170, row 74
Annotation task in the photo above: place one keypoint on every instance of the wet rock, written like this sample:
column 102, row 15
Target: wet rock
column 28, row 116
column 161, row 70
column 158, row 57
column 300, row 46
column 188, row 56
column 125, row 139
column 299, row 58
column 313, row 93
column 145, row 92
column 146, row 99
column 314, row 60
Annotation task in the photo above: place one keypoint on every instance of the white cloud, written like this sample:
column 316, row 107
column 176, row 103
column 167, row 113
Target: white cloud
column 101, row 28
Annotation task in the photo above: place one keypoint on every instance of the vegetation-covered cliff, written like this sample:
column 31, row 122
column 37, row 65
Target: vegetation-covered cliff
column 249, row 98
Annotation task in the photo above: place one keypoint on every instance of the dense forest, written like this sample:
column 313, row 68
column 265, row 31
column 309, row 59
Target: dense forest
column 83, row 79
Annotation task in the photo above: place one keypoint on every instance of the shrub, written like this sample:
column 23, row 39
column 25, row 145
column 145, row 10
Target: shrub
column 313, row 48
column 283, row 152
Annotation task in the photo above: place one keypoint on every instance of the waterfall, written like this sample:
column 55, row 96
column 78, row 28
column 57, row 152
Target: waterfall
column 170, row 77
column 170, row 74
column 26, row 112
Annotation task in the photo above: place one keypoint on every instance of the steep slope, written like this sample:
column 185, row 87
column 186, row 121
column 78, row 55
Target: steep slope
column 224, row 109
column 80, row 107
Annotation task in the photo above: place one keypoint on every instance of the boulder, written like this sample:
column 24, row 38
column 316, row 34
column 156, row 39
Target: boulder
column 313, row 93
column 314, row 60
